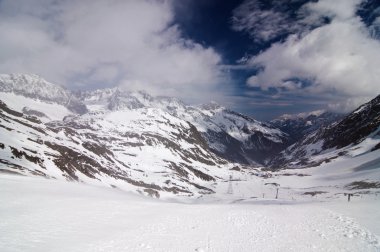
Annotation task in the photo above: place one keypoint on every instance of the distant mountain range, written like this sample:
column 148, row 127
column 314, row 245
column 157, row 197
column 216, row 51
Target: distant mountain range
column 300, row 125
column 356, row 134
column 159, row 145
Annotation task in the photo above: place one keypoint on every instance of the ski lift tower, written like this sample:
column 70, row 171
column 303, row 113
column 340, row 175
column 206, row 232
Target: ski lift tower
column 230, row 190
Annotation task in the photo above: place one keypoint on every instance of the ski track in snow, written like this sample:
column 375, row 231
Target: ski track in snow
column 42, row 215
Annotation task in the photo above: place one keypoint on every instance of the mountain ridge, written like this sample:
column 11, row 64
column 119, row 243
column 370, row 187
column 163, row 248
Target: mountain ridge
column 158, row 145
column 355, row 134
column 35, row 87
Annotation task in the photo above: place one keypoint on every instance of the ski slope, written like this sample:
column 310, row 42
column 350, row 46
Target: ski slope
column 47, row 215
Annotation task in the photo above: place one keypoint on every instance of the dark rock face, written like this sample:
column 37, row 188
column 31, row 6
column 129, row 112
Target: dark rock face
column 233, row 148
column 20, row 154
column 299, row 126
column 259, row 149
column 355, row 127
column 242, row 139
column 71, row 161
column 31, row 112
column 362, row 123
column 76, row 106
column 264, row 148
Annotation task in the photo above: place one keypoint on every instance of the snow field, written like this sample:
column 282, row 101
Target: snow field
column 47, row 215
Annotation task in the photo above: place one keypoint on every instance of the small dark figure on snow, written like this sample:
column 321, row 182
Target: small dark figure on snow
column 349, row 196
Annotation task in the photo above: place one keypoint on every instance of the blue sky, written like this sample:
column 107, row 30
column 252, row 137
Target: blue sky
column 259, row 57
column 239, row 30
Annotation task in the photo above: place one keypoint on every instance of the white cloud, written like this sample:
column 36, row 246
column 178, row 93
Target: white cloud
column 340, row 57
column 348, row 104
column 339, row 9
column 116, row 42
column 374, row 29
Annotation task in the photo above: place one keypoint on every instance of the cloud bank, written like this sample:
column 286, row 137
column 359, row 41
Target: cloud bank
column 340, row 56
column 95, row 43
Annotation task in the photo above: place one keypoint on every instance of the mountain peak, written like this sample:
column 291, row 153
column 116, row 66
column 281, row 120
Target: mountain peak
column 35, row 87
column 212, row 106
column 27, row 83
column 375, row 102
column 355, row 134
column 302, row 115
column 299, row 125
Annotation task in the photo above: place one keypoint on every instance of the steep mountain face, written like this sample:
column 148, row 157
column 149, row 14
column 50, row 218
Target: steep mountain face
column 144, row 150
column 239, row 138
column 299, row 125
column 230, row 135
column 33, row 86
column 355, row 134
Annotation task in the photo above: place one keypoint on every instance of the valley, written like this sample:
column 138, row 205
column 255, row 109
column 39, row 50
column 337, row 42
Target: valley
column 161, row 175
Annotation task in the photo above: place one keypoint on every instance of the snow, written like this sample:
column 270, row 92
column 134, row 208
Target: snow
column 32, row 84
column 53, row 111
column 132, row 156
column 53, row 215
column 356, row 209
column 303, row 115
column 47, row 215
column 204, row 117
column 360, row 109
column 314, row 148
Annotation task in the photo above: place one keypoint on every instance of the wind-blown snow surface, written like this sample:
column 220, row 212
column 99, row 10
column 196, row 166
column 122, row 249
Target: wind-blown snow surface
column 45, row 215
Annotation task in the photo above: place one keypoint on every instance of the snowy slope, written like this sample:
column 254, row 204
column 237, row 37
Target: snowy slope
column 359, row 175
column 35, row 87
column 44, row 111
column 42, row 215
column 147, row 151
column 143, row 149
column 356, row 134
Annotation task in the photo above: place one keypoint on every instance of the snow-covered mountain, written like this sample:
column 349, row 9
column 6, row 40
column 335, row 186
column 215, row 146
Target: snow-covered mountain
column 239, row 138
column 356, row 134
column 299, row 125
column 35, row 87
column 130, row 140
column 148, row 151
column 157, row 146
column 230, row 135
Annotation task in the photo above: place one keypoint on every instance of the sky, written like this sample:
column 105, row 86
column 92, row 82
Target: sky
column 263, row 58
